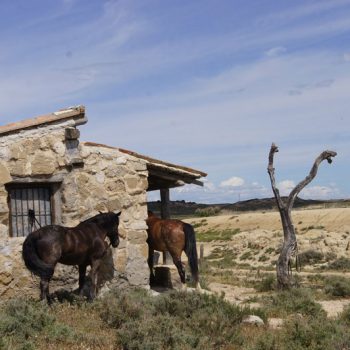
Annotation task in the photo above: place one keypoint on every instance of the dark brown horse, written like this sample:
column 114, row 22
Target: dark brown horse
column 82, row 245
column 175, row 237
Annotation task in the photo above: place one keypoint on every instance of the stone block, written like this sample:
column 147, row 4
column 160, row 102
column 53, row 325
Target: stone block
column 20, row 168
column 59, row 148
column 120, row 258
column 100, row 177
column 5, row 175
column 4, row 233
column 114, row 205
column 72, row 134
column 137, row 270
column 115, row 171
column 16, row 151
column 43, row 163
column 5, row 278
column 31, row 145
column 115, row 186
column 121, row 160
column 137, row 237
column 135, row 185
column 122, row 232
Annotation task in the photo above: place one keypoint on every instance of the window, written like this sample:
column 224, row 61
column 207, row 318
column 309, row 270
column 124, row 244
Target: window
column 30, row 208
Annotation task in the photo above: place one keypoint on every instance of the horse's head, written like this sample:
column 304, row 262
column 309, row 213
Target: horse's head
column 113, row 234
column 109, row 222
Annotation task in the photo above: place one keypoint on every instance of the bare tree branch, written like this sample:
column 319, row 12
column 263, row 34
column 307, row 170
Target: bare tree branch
column 271, row 171
column 313, row 172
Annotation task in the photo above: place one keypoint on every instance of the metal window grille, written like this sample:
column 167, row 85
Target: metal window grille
column 24, row 199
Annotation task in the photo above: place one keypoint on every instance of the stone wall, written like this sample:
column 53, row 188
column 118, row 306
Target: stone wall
column 88, row 179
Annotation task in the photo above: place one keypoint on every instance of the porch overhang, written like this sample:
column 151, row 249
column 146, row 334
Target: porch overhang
column 163, row 175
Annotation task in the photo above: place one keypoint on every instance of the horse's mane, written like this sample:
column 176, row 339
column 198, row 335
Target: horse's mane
column 102, row 218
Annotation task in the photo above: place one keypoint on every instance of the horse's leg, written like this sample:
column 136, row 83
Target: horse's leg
column 44, row 284
column 180, row 269
column 82, row 275
column 94, row 270
column 44, row 289
column 150, row 263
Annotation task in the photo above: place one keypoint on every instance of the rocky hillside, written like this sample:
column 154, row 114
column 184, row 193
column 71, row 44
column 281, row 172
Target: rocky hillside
column 182, row 208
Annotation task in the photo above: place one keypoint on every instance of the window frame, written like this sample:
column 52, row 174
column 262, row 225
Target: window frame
column 30, row 185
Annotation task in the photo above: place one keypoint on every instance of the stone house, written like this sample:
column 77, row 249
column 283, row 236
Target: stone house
column 44, row 168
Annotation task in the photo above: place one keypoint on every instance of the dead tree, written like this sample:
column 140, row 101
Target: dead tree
column 289, row 247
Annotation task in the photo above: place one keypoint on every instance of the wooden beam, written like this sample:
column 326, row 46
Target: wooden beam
column 165, row 214
column 164, row 205
column 171, row 176
column 155, row 183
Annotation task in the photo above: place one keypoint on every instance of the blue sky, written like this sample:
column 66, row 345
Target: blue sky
column 206, row 84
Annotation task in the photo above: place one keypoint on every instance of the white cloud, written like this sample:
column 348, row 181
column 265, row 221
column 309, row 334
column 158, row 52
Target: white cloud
column 320, row 192
column 210, row 193
column 208, row 186
column 310, row 192
column 285, row 187
column 232, row 182
column 275, row 51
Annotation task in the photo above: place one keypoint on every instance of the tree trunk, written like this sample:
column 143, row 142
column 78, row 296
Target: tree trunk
column 290, row 245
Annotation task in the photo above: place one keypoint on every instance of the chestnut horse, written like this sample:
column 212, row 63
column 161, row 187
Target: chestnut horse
column 82, row 245
column 175, row 237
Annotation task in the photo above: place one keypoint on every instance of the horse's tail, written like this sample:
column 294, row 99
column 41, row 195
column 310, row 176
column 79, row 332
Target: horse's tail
column 32, row 260
column 191, row 251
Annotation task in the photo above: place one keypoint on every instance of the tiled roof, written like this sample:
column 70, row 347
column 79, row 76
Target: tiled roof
column 77, row 113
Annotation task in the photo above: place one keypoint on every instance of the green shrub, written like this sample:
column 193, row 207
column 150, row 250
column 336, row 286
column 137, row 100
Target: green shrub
column 317, row 333
column 201, row 223
column 295, row 300
column 337, row 286
column 329, row 256
column 263, row 258
column 298, row 333
column 266, row 284
column 269, row 250
column 340, row 264
column 22, row 320
column 345, row 316
column 310, row 257
column 215, row 235
column 225, row 258
column 174, row 321
column 210, row 211
column 246, row 256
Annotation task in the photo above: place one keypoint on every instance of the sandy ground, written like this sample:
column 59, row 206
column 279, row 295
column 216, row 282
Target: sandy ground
column 324, row 230
column 260, row 233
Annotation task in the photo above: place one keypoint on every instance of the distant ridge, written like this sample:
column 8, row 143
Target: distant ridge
column 183, row 208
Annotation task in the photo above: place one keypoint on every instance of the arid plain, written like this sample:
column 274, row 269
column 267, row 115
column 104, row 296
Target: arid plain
column 241, row 250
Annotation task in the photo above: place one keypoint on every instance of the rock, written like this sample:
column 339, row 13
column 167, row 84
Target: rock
column 153, row 293
column 275, row 323
column 72, row 134
column 5, row 176
column 43, row 163
column 253, row 320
